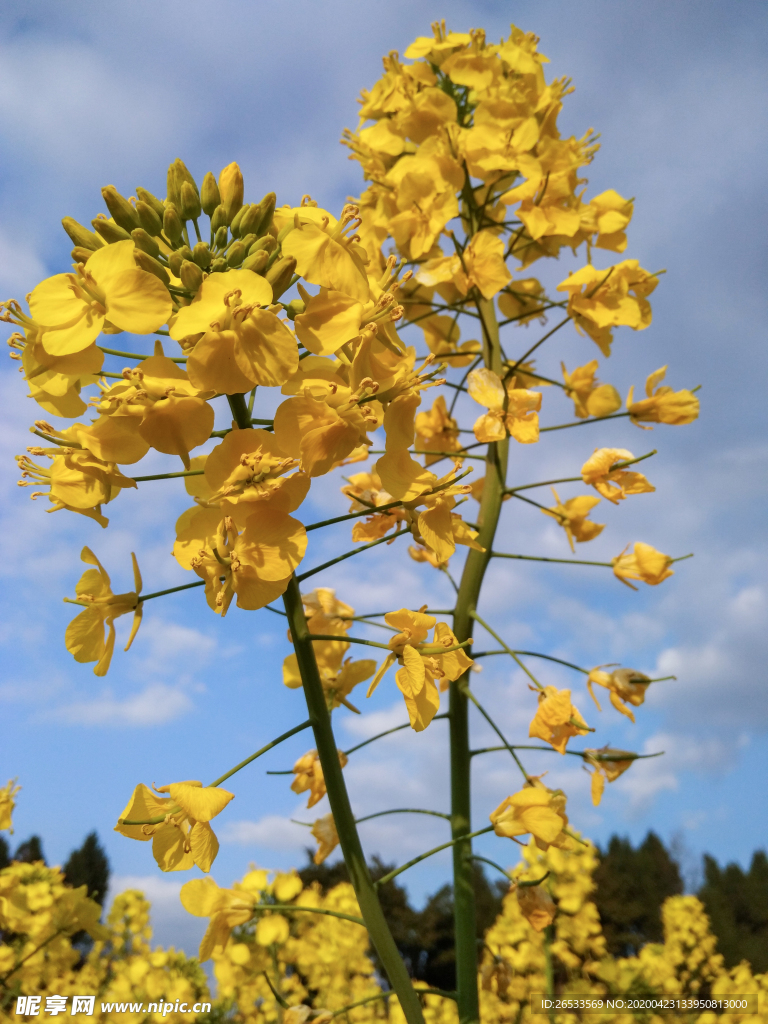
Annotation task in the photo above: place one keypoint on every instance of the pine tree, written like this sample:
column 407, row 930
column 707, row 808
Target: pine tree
column 88, row 865
column 737, row 904
column 30, row 850
column 632, row 884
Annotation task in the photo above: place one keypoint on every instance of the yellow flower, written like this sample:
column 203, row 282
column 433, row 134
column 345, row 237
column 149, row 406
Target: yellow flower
column 520, row 418
column 522, row 300
column 256, row 564
column 608, row 765
column 322, row 602
column 84, row 637
column 572, row 516
column 422, row 663
column 599, row 300
column 482, row 267
column 76, row 480
column 535, row 810
column 662, row 405
column 615, row 484
column 437, row 431
column 272, row 929
column 327, row 254
column 556, row 719
column 183, row 836
column 322, row 433
column 7, row 803
column 157, row 406
column 536, row 906
column 608, row 215
column 624, row 685
column 441, row 333
column 330, row 319
column 589, row 397
column 220, row 299
column 324, row 831
column 645, row 564
column 55, row 381
column 227, row 908
column 309, row 776
column 440, row 529
column 109, row 291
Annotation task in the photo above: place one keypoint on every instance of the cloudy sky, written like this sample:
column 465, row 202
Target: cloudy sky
column 96, row 93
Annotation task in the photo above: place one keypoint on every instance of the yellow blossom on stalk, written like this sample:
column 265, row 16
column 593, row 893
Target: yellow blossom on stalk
column 366, row 491
column 589, row 397
column 556, row 719
column 7, row 803
column 536, row 906
column 156, row 406
column 227, row 908
column 255, row 564
column 178, row 824
column 76, row 479
column 323, row 603
column 520, row 418
column 441, row 333
column 599, row 300
column 607, row 216
column 55, row 382
column 662, row 404
column 437, row 430
column 324, row 831
column 523, row 300
column 608, row 764
column 535, row 810
column 572, row 516
column 110, row 291
column 624, row 685
column 480, row 266
column 613, row 484
column 85, row 635
column 309, row 776
column 422, row 663
column 645, row 563
column 327, row 254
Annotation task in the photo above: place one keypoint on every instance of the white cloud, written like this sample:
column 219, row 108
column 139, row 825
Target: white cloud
column 157, row 704
column 272, row 832
column 171, row 924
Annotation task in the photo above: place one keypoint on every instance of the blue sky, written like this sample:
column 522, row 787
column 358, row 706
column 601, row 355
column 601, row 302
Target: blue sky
column 111, row 93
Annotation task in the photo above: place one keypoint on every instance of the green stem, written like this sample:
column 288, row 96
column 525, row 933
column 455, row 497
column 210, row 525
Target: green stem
column 285, row 907
column 533, row 654
column 493, row 865
column 137, row 355
column 580, row 423
column 341, row 809
column 425, row 649
column 387, row 732
column 540, row 558
column 507, row 745
column 465, row 920
column 171, row 590
column 404, row 810
column 625, row 754
column 430, row 853
column 353, row 515
column 168, row 476
column 263, row 750
column 509, row 650
column 349, row 554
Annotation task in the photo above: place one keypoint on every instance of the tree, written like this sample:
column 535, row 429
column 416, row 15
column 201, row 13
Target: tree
column 30, row 851
column 737, row 904
column 632, row 884
column 88, row 865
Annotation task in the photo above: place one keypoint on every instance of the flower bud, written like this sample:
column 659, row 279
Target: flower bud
column 209, row 194
column 81, row 255
column 122, row 211
column 148, row 218
column 236, row 254
column 256, row 261
column 267, row 207
column 218, row 265
column 174, row 262
column 191, row 275
column 177, row 174
column 146, row 197
column 231, row 189
column 218, row 218
column 220, row 238
column 145, row 262
column 266, row 242
column 190, row 202
column 109, row 231
column 248, row 241
column 145, row 242
column 294, row 308
column 280, row 273
column 250, row 219
column 81, row 236
column 172, row 224
column 201, row 254
column 235, row 225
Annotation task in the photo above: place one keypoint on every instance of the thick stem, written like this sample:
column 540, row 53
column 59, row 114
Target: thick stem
column 343, row 817
column 466, row 601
